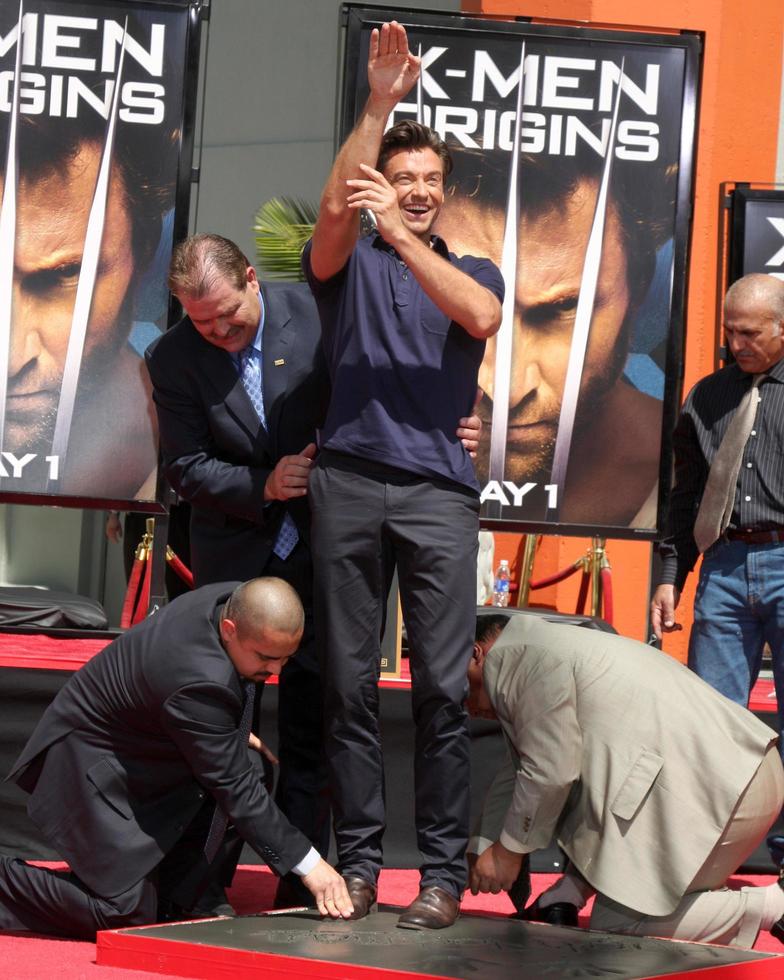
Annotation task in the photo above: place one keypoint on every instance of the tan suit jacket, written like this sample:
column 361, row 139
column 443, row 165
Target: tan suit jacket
column 622, row 754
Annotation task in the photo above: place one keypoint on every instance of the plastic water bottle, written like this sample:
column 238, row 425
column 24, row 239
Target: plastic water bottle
column 501, row 584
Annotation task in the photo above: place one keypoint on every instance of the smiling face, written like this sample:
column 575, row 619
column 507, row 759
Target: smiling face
column 417, row 177
column 550, row 259
column 225, row 316
column 51, row 222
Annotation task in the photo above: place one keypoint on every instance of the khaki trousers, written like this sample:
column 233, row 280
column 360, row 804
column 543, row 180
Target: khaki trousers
column 709, row 912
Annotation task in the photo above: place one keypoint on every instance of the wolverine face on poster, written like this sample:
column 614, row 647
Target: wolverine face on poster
column 90, row 109
column 572, row 165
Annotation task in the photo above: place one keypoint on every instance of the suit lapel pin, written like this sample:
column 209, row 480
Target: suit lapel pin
column 279, row 362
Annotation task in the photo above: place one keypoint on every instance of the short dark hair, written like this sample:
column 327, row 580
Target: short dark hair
column 199, row 262
column 410, row 135
column 265, row 603
column 489, row 626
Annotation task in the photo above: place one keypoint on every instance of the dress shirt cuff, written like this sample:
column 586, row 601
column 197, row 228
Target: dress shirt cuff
column 477, row 844
column 308, row 863
column 511, row 844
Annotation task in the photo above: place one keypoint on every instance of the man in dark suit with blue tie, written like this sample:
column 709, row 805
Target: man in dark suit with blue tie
column 240, row 387
column 144, row 754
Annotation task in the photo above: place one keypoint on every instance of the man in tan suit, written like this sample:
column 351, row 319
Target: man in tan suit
column 655, row 786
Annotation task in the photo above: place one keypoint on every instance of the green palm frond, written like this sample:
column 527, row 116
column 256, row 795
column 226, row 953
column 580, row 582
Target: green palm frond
column 282, row 226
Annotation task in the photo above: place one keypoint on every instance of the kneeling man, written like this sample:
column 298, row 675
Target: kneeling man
column 142, row 759
column 655, row 786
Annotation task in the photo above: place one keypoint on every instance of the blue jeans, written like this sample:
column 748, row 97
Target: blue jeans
column 738, row 608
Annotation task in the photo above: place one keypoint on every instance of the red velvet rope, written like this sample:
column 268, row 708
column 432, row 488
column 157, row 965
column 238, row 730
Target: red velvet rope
column 143, row 601
column 131, row 592
column 180, row 568
column 542, row 583
column 582, row 595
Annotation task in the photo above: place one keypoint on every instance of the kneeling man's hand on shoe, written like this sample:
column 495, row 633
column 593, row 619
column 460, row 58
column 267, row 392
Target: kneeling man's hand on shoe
column 495, row 869
column 329, row 890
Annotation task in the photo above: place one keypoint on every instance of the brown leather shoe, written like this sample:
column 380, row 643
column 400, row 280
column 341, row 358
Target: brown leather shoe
column 433, row 908
column 362, row 894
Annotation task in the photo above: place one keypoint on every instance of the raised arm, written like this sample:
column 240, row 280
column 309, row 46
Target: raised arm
column 392, row 72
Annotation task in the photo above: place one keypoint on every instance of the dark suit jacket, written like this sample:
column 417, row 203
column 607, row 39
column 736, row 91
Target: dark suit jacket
column 215, row 452
column 127, row 752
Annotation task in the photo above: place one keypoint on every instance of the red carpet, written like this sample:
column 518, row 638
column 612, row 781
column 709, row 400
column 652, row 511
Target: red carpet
column 37, row 958
column 34, row 958
column 37, row 650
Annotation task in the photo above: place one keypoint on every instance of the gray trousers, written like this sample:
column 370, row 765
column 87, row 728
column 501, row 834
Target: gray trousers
column 366, row 520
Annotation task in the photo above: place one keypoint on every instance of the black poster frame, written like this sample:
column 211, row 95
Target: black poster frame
column 358, row 19
column 193, row 13
column 743, row 196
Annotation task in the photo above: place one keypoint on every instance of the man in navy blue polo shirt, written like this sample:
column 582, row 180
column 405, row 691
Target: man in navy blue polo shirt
column 404, row 324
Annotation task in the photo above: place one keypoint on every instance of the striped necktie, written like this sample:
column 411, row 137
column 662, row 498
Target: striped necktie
column 718, row 498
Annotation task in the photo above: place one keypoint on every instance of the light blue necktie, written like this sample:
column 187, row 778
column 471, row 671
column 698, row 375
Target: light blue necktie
column 250, row 372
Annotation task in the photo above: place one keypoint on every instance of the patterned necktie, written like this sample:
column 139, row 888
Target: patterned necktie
column 220, row 820
column 718, row 497
column 288, row 536
column 250, row 372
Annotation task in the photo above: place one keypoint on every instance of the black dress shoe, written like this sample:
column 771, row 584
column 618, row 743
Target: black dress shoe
column 362, row 894
column 520, row 891
column 212, row 911
column 777, row 929
column 170, row 912
column 433, row 908
column 557, row 914
column 776, row 847
column 292, row 894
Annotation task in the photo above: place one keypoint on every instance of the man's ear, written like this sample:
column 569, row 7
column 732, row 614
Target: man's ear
column 478, row 655
column 228, row 629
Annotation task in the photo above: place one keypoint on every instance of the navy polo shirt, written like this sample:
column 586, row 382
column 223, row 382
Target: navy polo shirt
column 402, row 373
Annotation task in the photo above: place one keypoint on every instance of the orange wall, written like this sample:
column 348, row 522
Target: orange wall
column 738, row 131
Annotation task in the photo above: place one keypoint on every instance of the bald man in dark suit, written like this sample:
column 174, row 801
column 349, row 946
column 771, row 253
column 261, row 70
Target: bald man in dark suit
column 146, row 743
